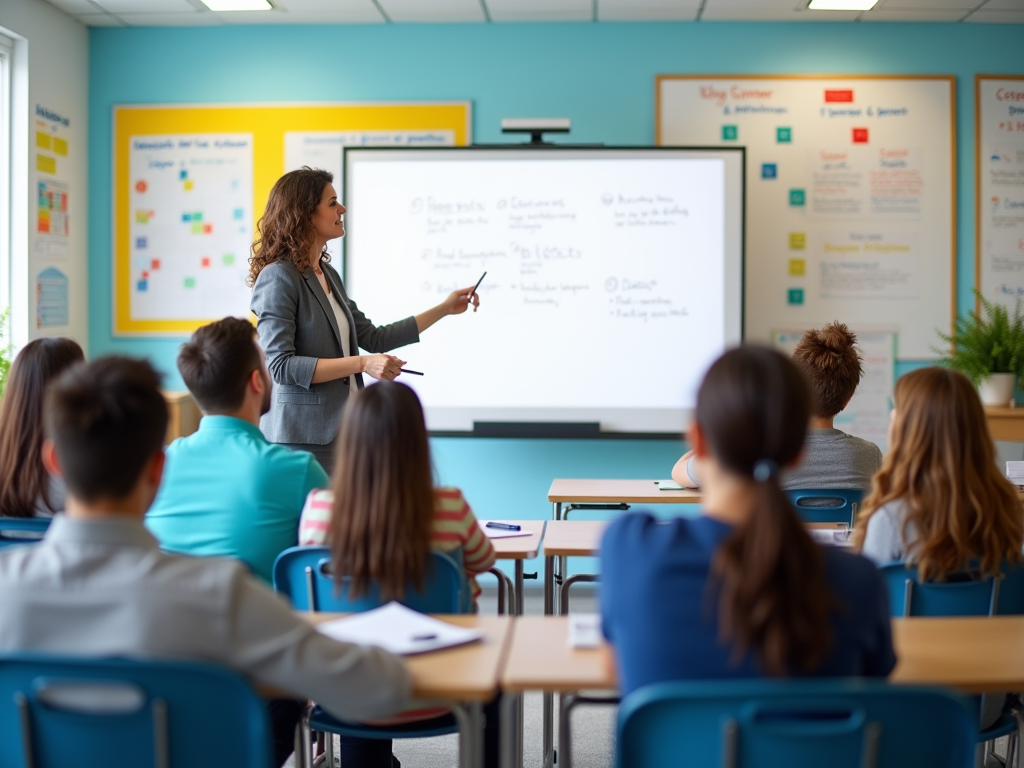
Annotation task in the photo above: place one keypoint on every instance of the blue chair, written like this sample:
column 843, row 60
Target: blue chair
column 26, row 530
column 773, row 724
column 304, row 575
column 119, row 713
column 826, row 505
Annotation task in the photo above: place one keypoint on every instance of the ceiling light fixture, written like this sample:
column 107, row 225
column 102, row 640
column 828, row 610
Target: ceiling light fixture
column 238, row 5
column 840, row 5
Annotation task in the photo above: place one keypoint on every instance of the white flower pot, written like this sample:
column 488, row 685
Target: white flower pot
column 997, row 389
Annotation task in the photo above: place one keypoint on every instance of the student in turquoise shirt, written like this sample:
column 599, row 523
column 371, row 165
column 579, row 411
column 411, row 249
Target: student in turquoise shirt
column 227, row 490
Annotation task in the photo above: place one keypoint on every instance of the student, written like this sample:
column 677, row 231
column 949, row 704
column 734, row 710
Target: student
column 26, row 488
column 383, row 516
column 939, row 500
column 832, row 458
column 228, row 490
column 741, row 591
column 98, row 584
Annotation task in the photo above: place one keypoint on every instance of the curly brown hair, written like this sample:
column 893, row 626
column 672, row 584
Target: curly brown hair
column 285, row 231
column 830, row 359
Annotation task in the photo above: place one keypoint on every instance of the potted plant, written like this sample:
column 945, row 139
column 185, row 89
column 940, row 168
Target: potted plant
column 988, row 348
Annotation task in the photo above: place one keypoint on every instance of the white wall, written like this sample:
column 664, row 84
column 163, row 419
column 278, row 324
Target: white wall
column 51, row 70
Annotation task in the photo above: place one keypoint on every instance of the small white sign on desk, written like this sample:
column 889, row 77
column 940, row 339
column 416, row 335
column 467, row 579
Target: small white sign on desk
column 584, row 630
column 398, row 629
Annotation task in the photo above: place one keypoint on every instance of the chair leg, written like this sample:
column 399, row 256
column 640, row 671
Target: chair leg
column 304, row 750
column 329, row 750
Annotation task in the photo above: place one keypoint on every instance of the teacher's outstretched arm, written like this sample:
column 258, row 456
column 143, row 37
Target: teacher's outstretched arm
column 456, row 303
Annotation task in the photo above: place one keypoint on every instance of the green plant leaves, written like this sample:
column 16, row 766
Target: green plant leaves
column 989, row 342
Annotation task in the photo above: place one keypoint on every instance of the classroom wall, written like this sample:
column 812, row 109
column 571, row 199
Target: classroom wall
column 51, row 70
column 599, row 75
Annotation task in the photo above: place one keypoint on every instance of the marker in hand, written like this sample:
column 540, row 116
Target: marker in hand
column 477, row 286
column 414, row 373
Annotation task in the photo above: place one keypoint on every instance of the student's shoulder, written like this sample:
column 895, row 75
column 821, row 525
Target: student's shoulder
column 641, row 529
column 861, row 445
column 850, row 574
column 448, row 498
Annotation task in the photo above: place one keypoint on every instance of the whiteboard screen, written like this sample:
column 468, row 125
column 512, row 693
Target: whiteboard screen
column 614, row 276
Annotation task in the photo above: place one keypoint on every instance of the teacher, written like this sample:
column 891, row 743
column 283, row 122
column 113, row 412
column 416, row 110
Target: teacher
column 310, row 330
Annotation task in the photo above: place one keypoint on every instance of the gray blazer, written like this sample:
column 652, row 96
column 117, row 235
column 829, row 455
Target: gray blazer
column 296, row 327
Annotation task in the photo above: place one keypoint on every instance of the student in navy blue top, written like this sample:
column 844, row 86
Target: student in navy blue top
column 742, row 590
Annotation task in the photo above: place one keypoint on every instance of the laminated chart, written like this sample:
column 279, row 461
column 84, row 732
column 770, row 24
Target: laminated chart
column 191, row 225
column 850, row 208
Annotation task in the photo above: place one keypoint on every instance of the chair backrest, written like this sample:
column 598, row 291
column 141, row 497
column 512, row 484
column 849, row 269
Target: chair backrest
column 304, row 574
column 962, row 596
column 120, row 713
column 783, row 724
column 22, row 530
column 826, row 505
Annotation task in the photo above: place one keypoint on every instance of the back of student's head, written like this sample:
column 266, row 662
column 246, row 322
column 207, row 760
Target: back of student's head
column 24, row 482
column 941, row 464
column 832, row 364
column 216, row 364
column 383, row 491
column 107, row 419
column 752, row 409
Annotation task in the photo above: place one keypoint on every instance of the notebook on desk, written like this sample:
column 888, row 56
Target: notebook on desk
column 398, row 629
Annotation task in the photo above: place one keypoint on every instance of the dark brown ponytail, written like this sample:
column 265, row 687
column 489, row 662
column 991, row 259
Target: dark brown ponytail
column 753, row 408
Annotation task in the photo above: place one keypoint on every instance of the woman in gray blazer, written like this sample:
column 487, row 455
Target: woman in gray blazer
column 308, row 327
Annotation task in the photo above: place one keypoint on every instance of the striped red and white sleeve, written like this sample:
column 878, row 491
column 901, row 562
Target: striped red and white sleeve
column 455, row 520
column 314, row 524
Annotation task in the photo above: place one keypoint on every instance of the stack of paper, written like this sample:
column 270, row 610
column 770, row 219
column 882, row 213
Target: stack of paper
column 398, row 629
column 831, row 537
column 1015, row 472
column 584, row 630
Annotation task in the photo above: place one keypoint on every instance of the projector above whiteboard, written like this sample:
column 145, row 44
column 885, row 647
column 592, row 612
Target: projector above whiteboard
column 614, row 277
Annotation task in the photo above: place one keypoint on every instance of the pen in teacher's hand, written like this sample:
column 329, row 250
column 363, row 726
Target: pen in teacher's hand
column 505, row 526
column 414, row 373
column 477, row 286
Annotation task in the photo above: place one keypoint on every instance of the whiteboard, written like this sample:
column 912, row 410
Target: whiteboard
column 850, row 195
column 999, row 166
column 614, row 276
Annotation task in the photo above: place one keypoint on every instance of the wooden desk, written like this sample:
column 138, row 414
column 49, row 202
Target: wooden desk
column 1005, row 423
column 183, row 415
column 464, row 678
column 566, row 491
column 518, row 549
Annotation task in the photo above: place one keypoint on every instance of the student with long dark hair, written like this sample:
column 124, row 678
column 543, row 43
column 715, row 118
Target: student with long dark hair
column 26, row 488
column 742, row 590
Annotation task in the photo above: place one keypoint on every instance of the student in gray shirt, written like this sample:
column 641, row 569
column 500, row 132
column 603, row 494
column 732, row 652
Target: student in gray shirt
column 98, row 584
column 831, row 458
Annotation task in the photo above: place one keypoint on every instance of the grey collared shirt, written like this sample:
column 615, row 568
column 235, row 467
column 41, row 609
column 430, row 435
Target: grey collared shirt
column 104, row 588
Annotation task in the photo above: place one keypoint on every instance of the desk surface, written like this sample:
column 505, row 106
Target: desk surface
column 974, row 655
column 520, row 547
column 466, row 673
column 615, row 491
column 569, row 538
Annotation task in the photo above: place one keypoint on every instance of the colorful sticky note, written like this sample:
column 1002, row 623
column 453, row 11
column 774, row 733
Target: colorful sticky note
column 43, row 140
column 188, row 185
column 141, row 186
column 797, row 267
column 797, row 197
column 239, row 214
column 142, row 285
column 783, row 135
column 140, row 242
column 142, row 217
column 60, row 146
column 797, row 241
column 769, row 171
column 182, row 174
column 860, row 135
column 186, row 217
column 145, row 275
column 197, row 216
column 228, row 259
column 190, row 282
column 197, row 229
column 154, row 264
column 796, row 296
column 730, row 132
column 205, row 261
column 207, row 229
column 46, row 164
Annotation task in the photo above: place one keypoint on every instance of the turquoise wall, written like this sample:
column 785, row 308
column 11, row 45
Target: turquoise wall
column 599, row 75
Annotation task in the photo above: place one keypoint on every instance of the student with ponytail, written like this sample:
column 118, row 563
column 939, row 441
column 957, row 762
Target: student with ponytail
column 742, row 590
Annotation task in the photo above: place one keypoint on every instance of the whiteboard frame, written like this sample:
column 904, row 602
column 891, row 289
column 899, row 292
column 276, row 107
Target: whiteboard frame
column 951, row 79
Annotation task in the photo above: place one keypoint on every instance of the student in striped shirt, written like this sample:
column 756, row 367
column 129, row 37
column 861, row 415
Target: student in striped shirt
column 383, row 516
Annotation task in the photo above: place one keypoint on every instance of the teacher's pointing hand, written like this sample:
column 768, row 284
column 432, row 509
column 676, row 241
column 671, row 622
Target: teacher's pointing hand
column 455, row 304
column 386, row 367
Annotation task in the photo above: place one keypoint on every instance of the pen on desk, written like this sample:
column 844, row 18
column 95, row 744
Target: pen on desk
column 424, row 637
column 505, row 526
column 414, row 373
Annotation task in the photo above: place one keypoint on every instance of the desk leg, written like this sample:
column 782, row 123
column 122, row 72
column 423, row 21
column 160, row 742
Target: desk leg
column 518, row 608
column 511, row 747
column 471, row 747
column 556, row 511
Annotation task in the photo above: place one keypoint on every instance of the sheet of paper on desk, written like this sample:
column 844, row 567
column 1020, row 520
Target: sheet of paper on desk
column 669, row 485
column 499, row 533
column 398, row 629
column 584, row 630
column 831, row 537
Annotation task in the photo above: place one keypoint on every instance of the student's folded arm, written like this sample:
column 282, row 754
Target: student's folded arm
column 685, row 471
column 272, row 645
column 275, row 303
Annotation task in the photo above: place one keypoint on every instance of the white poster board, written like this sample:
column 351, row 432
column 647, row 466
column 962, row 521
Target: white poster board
column 850, row 210
column 999, row 169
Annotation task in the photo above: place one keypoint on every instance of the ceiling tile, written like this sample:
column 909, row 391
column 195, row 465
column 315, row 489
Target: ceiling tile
column 1004, row 5
column 985, row 16
column 194, row 19
column 147, row 6
column 647, row 10
column 98, row 20
column 540, row 10
column 74, row 6
column 926, row 5
column 437, row 11
column 769, row 10
column 886, row 14
column 313, row 17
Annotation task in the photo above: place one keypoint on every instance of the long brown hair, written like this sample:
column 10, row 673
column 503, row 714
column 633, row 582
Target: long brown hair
column 383, row 492
column 285, row 231
column 941, row 465
column 24, row 482
column 753, row 408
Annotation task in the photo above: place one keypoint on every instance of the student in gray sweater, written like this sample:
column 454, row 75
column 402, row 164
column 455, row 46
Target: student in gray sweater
column 832, row 458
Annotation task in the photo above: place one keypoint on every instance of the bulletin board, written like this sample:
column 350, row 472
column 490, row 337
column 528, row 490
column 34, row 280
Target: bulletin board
column 191, row 181
column 999, row 186
column 851, row 208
